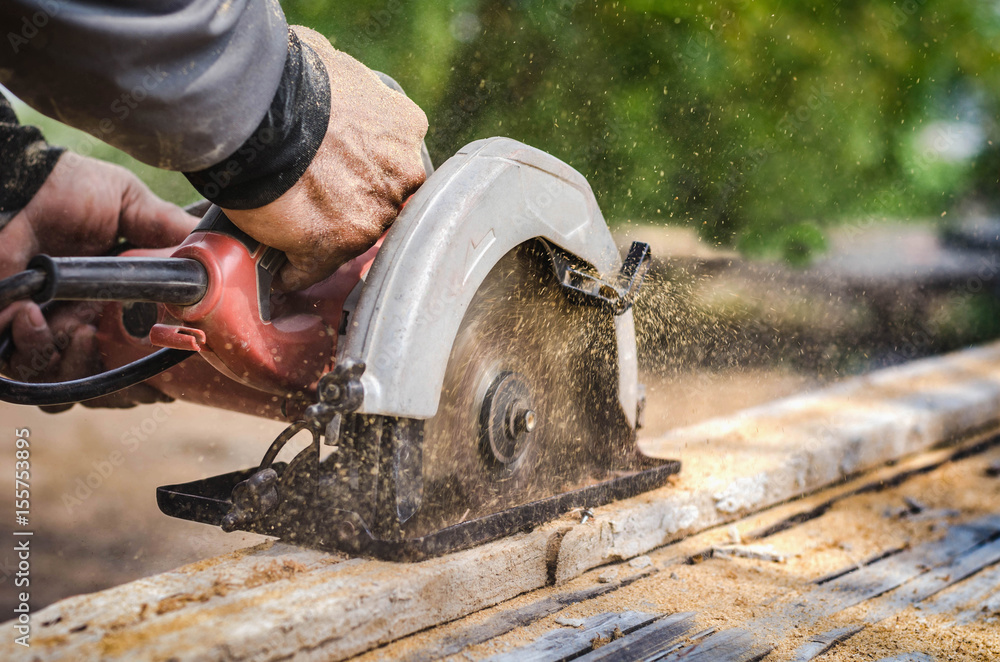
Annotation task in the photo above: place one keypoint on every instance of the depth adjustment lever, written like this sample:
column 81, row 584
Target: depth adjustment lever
column 584, row 288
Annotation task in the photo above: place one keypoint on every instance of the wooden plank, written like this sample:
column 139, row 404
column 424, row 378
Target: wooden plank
column 883, row 576
column 788, row 515
column 436, row 644
column 570, row 643
column 505, row 621
column 646, row 642
column 832, row 535
column 928, row 584
column 732, row 645
column 782, row 448
column 962, row 547
column 322, row 609
column 821, row 643
column 733, row 466
column 968, row 600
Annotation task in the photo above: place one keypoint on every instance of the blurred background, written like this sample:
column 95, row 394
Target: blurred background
column 818, row 181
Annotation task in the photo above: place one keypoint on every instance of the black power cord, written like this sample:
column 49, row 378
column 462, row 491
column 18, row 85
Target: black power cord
column 87, row 388
column 159, row 280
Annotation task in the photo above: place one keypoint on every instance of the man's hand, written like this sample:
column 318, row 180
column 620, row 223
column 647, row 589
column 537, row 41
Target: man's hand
column 83, row 208
column 368, row 164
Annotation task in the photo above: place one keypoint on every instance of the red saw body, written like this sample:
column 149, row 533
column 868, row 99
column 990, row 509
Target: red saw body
column 264, row 360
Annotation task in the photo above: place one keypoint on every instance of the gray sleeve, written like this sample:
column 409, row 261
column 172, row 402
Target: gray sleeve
column 178, row 84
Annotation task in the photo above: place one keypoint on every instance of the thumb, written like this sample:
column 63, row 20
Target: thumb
column 150, row 222
column 292, row 278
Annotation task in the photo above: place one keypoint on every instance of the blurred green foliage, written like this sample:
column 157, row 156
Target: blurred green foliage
column 742, row 118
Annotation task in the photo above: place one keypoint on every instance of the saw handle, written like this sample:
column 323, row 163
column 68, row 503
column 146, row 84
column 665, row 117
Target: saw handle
column 157, row 280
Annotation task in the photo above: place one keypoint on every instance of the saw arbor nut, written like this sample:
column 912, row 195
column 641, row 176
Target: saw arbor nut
column 507, row 422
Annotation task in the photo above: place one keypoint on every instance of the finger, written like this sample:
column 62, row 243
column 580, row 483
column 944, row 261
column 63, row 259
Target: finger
column 32, row 341
column 80, row 358
column 19, row 245
column 76, row 362
column 8, row 314
column 150, row 222
column 35, row 351
column 68, row 316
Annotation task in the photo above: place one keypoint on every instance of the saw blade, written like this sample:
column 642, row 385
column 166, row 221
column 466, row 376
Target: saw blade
column 528, row 406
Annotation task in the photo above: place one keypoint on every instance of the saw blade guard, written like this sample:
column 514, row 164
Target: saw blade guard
column 492, row 196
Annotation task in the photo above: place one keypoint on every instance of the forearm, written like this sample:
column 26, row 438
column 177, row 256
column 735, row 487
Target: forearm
column 179, row 84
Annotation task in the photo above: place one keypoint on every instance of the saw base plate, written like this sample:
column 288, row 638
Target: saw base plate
column 209, row 500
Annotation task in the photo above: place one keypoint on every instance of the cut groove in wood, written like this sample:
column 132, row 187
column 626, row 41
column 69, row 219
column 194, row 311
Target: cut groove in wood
column 645, row 643
column 567, row 644
column 821, row 643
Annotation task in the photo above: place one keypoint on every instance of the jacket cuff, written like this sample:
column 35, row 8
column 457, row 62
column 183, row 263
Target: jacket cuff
column 283, row 145
column 27, row 161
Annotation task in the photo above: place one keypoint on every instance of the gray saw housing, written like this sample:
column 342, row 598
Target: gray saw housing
column 492, row 196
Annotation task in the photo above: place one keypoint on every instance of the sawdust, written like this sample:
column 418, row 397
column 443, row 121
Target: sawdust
column 174, row 602
column 200, row 566
column 601, row 640
column 274, row 572
column 127, row 641
column 934, row 635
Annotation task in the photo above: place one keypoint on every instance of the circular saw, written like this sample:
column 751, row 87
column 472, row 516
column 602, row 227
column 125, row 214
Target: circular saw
column 472, row 375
